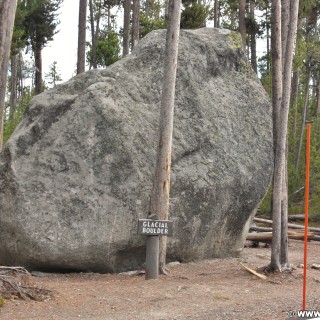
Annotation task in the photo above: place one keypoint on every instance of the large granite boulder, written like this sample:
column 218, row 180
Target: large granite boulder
column 77, row 173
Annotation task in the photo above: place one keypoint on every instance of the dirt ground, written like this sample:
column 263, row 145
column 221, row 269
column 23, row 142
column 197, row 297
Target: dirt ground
column 210, row 289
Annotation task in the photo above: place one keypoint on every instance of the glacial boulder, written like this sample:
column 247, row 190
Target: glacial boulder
column 76, row 174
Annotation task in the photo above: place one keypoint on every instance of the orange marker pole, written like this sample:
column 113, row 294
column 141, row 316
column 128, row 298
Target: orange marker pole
column 306, row 212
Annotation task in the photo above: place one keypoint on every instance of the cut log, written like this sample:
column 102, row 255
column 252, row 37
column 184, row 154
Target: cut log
column 267, row 236
column 268, row 229
column 300, row 217
column 260, row 229
column 316, row 238
column 290, row 225
column 294, row 217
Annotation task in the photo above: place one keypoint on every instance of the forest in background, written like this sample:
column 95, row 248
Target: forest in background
column 115, row 27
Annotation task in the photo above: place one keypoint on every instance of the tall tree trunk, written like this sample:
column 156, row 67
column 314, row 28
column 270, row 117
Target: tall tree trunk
column 20, row 76
column 93, row 44
column 166, row 8
column 318, row 104
column 126, row 27
column 233, row 16
column 293, row 100
column 285, row 19
column 242, row 23
column 135, row 22
column 7, row 15
column 304, row 114
column 285, row 103
column 276, row 66
column 81, row 61
column 276, row 102
column 279, row 258
column 109, row 17
column 268, row 39
column 159, row 201
column 13, row 95
column 147, row 7
column 94, row 32
column 38, row 70
column 253, row 44
column 216, row 14
column 284, row 212
column 295, row 90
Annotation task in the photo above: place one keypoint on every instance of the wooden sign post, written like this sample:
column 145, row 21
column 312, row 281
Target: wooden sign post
column 154, row 228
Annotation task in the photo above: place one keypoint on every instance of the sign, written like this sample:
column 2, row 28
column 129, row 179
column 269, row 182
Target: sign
column 151, row 227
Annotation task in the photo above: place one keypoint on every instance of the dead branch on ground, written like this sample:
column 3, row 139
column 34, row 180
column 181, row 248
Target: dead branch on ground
column 17, row 282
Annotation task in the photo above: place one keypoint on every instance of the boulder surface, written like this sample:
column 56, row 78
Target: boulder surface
column 76, row 174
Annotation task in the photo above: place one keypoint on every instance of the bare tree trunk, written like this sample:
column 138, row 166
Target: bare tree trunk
column 279, row 259
column 284, row 213
column 285, row 19
column 233, row 15
column 126, row 27
column 81, row 61
column 293, row 99
column 94, row 32
column 216, row 15
column 242, row 23
column 318, row 106
column 96, row 35
column 268, row 39
column 13, row 96
column 7, row 15
column 253, row 44
column 93, row 44
column 159, row 201
column 38, row 69
column 20, row 76
column 147, row 7
column 109, row 18
column 276, row 101
column 276, row 66
column 285, row 106
column 135, row 22
column 166, row 8
column 304, row 115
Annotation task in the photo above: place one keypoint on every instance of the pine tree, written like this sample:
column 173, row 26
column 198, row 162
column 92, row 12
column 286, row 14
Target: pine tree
column 40, row 26
column 53, row 76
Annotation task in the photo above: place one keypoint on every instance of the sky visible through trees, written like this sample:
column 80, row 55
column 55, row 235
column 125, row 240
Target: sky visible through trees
column 63, row 49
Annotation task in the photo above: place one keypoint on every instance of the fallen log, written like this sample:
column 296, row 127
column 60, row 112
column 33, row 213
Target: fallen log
column 294, row 217
column 316, row 238
column 268, row 229
column 300, row 217
column 267, row 236
column 290, row 225
column 260, row 229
